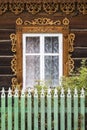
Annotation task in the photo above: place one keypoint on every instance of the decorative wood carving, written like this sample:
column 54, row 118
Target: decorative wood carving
column 42, row 25
column 82, row 7
column 41, row 21
column 33, row 8
column 71, row 38
column 16, row 8
column 71, row 64
column 50, row 7
column 13, row 39
column 67, row 7
column 3, row 8
column 14, row 64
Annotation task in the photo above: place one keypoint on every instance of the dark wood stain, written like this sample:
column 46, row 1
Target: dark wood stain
column 78, row 25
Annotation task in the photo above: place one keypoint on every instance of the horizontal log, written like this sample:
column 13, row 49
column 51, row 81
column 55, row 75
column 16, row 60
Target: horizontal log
column 6, row 52
column 5, row 81
column 5, row 70
column 5, row 44
column 5, row 33
column 80, row 52
column 5, row 48
column 8, row 20
column 77, row 63
column 80, row 38
column 5, row 61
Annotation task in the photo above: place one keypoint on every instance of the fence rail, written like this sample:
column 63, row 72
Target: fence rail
column 49, row 110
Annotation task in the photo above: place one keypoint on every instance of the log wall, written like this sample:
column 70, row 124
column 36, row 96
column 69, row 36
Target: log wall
column 78, row 25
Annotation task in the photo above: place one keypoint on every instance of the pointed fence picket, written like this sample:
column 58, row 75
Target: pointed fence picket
column 48, row 110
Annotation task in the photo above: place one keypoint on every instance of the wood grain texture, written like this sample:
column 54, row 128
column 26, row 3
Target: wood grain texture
column 78, row 25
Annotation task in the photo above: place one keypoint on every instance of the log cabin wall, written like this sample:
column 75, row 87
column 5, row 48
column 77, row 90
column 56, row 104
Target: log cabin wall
column 8, row 15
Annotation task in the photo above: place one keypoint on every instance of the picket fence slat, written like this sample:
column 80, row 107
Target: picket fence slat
column 3, row 110
column 55, row 110
column 62, row 110
column 75, row 110
column 69, row 111
column 16, row 111
column 48, row 110
column 82, row 110
column 22, row 110
column 42, row 110
column 36, row 111
column 29, row 111
column 9, row 110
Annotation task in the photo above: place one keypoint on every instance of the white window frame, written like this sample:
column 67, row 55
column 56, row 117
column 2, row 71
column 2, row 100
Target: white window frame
column 42, row 54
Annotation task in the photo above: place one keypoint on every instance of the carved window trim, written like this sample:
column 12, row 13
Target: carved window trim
column 41, row 25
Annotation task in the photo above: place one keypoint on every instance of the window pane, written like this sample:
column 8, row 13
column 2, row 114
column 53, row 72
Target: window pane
column 51, row 45
column 32, row 44
column 51, row 70
column 32, row 70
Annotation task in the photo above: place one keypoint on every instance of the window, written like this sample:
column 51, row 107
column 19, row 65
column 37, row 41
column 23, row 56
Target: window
column 42, row 52
column 42, row 59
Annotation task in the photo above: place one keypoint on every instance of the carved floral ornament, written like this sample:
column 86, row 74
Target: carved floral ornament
column 36, row 26
column 49, row 7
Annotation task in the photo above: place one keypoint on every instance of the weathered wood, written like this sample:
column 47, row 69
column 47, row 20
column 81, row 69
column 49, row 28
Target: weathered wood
column 75, row 110
column 9, row 119
column 82, row 109
column 76, row 22
column 5, row 81
column 5, row 70
column 3, row 109
column 6, row 61
column 80, row 52
column 16, row 111
column 78, row 25
column 81, row 38
column 5, row 33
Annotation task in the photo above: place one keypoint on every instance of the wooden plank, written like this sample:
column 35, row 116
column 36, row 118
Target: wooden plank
column 5, row 81
column 49, row 123
column 9, row 119
column 69, row 112
column 80, row 38
column 76, row 21
column 5, row 61
column 42, row 101
column 56, row 123
column 22, row 110
column 36, row 110
column 16, row 111
column 62, row 110
column 75, row 110
column 3, row 112
column 29, row 111
column 5, row 70
column 5, row 34
column 5, row 47
column 80, row 52
column 82, row 109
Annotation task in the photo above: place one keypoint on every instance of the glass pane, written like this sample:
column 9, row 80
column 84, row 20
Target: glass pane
column 32, row 44
column 51, row 45
column 32, row 70
column 51, row 70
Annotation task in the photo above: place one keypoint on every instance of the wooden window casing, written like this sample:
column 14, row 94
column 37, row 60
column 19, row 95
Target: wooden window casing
column 40, row 25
